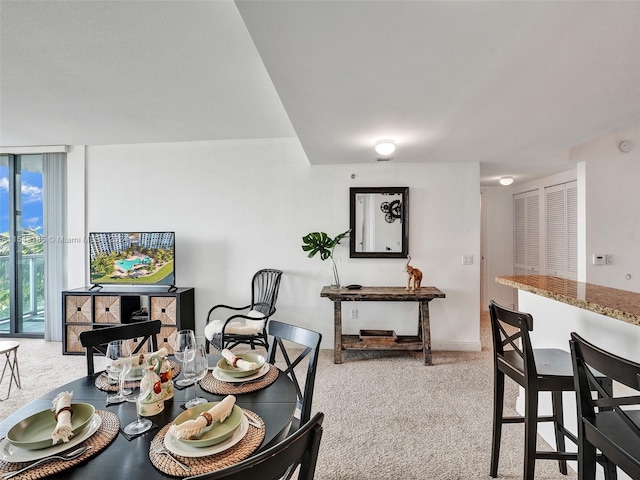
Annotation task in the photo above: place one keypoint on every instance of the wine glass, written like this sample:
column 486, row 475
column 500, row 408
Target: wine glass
column 195, row 370
column 120, row 351
column 184, row 351
column 140, row 425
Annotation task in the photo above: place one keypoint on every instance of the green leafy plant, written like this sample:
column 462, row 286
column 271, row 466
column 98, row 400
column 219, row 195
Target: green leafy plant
column 320, row 242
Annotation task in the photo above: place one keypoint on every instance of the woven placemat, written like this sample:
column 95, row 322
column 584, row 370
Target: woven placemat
column 241, row 450
column 98, row 441
column 104, row 383
column 219, row 387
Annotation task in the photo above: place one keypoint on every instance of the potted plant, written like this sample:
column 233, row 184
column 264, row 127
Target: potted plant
column 320, row 242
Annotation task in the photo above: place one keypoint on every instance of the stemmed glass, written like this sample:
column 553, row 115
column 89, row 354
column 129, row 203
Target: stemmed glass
column 119, row 350
column 184, row 351
column 196, row 370
column 140, row 425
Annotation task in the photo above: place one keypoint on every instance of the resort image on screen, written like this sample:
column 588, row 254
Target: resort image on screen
column 144, row 258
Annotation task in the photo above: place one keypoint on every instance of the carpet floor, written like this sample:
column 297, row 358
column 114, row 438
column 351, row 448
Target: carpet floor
column 387, row 416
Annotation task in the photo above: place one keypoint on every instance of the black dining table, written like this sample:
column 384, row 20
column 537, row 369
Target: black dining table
column 124, row 458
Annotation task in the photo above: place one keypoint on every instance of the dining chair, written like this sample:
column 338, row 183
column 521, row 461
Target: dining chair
column 96, row 340
column 281, row 460
column 248, row 327
column 608, row 423
column 301, row 345
column 536, row 370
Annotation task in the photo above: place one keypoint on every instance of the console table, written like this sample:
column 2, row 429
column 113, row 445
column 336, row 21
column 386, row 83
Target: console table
column 419, row 342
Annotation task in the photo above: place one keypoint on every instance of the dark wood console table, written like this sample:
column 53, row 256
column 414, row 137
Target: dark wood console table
column 419, row 342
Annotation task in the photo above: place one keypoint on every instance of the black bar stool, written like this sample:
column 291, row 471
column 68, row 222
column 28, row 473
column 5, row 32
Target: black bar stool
column 536, row 370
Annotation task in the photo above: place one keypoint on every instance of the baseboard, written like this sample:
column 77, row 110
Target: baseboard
column 456, row 346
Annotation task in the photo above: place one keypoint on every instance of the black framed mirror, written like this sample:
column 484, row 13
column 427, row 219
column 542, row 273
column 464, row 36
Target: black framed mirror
column 379, row 221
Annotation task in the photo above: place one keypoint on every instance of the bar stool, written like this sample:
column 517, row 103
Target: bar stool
column 536, row 370
column 8, row 347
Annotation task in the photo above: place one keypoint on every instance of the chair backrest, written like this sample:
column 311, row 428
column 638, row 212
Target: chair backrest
column 310, row 341
column 95, row 341
column 264, row 290
column 300, row 448
column 510, row 328
column 587, row 358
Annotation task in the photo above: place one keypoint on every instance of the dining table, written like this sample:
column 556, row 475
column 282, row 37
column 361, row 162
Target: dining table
column 119, row 457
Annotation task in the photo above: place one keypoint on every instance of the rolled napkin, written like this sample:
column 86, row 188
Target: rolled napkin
column 63, row 412
column 139, row 360
column 237, row 362
column 191, row 429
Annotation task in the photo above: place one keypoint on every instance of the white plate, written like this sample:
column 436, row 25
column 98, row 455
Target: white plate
column 11, row 454
column 180, row 448
column 220, row 375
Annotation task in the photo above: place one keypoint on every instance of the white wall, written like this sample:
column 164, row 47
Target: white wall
column 612, row 209
column 237, row 206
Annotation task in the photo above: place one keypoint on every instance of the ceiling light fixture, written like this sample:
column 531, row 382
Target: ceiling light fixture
column 385, row 148
column 506, row 181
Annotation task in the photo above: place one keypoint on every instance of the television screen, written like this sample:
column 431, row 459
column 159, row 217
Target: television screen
column 141, row 258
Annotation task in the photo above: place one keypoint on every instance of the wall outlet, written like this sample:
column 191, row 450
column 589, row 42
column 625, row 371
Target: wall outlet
column 354, row 314
column 599, row 259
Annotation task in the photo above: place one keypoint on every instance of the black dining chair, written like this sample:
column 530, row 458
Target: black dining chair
column 294, row 345
column 247, row 327
column 605, row 423
column 281, row 460
column 536, row 370
column 142, row 333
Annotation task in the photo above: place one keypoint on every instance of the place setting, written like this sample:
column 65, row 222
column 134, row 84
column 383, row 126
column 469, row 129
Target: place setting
column 207, row 437
column 56, row 439
column 239, row 373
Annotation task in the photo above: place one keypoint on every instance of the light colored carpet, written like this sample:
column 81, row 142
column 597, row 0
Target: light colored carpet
column 387, row 416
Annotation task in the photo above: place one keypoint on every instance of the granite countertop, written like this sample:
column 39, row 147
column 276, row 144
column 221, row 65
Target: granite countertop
column 612, row 302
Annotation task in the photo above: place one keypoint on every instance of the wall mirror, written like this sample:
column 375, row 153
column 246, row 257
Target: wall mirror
column 379, row 221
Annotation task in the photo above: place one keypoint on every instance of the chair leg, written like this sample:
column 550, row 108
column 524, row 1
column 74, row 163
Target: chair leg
column 498, row 408
column 610, row 470
column 587, row 460
column 530, row 432
column 558, row 424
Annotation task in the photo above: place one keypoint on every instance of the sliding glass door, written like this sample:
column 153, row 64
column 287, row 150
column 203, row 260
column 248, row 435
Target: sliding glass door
column 22, row 240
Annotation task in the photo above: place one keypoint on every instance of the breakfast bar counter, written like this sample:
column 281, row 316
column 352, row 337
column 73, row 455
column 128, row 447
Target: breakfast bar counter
column 612, row 302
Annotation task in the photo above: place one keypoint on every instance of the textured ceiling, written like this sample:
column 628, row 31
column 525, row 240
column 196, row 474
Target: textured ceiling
column 512, row 85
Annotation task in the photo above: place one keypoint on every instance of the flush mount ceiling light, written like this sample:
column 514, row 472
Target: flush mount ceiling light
column 506, row 181
column 385, row 148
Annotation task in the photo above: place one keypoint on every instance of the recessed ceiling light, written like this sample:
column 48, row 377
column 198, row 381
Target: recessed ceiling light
column 385, row 147
column 506, row 180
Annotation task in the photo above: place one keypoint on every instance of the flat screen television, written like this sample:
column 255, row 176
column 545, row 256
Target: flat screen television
column 132, row 258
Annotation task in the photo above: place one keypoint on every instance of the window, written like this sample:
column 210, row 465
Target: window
column 22, row 303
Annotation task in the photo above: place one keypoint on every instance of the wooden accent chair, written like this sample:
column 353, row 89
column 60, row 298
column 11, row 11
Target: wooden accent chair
column 247, row 327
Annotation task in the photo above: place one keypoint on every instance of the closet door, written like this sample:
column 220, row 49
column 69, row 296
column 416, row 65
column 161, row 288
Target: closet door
column 562, row 230
column 526, row 221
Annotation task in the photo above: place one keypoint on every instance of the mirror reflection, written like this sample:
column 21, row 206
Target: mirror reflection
column 379, row 222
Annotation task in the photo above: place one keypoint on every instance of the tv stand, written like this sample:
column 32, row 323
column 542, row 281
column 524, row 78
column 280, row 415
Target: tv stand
column 88, row 308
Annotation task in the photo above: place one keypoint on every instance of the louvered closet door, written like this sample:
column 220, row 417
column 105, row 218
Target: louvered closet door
column 526, row 233
column 562, row 230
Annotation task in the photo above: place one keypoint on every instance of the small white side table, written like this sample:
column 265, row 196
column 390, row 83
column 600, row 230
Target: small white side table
column 7, row 347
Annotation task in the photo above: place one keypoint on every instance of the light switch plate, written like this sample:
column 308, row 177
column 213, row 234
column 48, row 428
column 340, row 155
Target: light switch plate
column 467, row 259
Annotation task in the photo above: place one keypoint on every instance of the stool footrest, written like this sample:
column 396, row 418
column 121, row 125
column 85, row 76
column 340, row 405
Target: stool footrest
column 556, row 456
